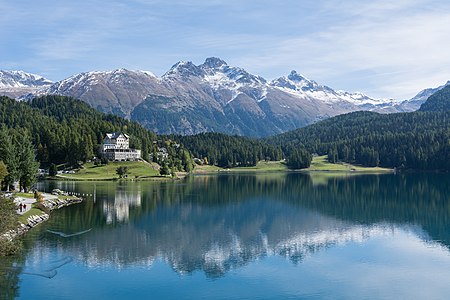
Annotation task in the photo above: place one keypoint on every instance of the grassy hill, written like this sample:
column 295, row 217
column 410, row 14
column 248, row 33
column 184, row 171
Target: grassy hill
column 320, row 163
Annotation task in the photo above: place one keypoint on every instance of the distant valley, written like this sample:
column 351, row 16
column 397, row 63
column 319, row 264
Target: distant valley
column 213, row 96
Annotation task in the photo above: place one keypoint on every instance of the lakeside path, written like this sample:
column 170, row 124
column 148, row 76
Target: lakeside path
column 36, row 213
column 28, row 199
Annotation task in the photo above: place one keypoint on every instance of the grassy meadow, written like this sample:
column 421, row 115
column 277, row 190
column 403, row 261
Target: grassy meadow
column 136, row 170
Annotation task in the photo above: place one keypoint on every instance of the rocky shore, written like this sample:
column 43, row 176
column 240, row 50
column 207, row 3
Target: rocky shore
column 34, row 220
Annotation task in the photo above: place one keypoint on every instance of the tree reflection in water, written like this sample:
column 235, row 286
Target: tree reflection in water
column 216, row 223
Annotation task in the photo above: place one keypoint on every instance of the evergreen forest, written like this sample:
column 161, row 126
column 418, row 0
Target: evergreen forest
column 417, row 140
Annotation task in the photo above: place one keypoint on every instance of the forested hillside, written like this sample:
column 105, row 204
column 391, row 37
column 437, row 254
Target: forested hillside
column 229, row 151
column 418, row 140
column 64, row 129
column 439, row 101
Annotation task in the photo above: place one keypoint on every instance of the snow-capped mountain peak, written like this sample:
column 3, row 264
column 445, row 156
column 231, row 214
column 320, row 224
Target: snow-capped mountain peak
column 17, row 83
column 296, row 77
column 300, row 86
column 184, row 69
column 213, row 63
column 297, row 82
column 20, row 79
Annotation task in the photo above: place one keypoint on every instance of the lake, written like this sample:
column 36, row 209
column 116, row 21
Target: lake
column 242, row 236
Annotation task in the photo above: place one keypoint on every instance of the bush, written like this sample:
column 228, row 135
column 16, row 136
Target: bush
column 10, row 247
column 122, row 171
column 52, row 171
column 8, row 221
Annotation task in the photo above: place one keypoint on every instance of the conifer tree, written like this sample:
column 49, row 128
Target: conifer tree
column 28, row 167
column 3, row 172
column 8, row 156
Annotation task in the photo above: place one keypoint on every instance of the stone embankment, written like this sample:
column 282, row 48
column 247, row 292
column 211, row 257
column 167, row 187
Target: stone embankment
column 34, row 220
column 57, row 203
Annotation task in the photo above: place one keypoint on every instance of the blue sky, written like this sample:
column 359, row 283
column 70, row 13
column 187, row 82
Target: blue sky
column 383, row 48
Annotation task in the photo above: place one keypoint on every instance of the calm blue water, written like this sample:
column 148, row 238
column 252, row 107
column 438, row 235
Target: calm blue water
column 243, row 237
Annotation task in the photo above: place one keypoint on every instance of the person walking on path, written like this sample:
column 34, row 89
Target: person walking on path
column 20, row 207
column 24, row 207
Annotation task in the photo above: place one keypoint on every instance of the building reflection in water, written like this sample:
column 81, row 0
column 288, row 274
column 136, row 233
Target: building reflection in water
column 118, row 209
column 217, row 223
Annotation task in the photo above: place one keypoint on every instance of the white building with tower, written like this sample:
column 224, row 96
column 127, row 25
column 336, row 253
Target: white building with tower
column 116, row 146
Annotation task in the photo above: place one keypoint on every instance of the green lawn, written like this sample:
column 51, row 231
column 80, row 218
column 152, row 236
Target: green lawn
column 206, row 169
column 320, row 163
column 262, row 166
column 136, row 170
column 24, row 195
column 31, row 212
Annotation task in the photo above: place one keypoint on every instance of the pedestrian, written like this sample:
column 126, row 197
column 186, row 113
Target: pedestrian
column 20, row 207
column 24, row 207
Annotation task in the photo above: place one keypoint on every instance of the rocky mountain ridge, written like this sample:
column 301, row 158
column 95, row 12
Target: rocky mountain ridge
column 17, row 83
column 214, row 96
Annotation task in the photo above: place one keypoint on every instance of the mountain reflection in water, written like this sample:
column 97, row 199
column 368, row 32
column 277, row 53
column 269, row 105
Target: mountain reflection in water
column 216, row 223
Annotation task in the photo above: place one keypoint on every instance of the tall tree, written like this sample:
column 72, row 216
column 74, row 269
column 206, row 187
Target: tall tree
column 88, row 149
column 28, row 167
column 3, row 172
column 9, row 157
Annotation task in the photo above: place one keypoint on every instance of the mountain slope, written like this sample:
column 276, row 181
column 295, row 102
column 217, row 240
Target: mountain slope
column 213, row 96
column 116, row 92
column 439, row 101
column 16, row 83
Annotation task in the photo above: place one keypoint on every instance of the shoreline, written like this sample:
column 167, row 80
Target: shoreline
column 117, row 179
column 305, row 171
column 319, row 165
column 34, row 220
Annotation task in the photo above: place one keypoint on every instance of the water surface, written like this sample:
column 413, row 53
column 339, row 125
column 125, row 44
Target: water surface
column 242, row 236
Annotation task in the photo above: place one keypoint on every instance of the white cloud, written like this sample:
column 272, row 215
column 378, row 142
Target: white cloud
column 412, row 48
column 384, row 48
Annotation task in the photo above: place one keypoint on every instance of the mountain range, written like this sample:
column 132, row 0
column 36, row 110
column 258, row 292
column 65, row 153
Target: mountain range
column 212, row 96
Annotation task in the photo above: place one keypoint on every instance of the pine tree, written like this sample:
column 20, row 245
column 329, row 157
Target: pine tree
column 28, row 167
column 3, row 172
column 7, row 155
column 52, row 171
column 88, row 149
column 164, row 169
